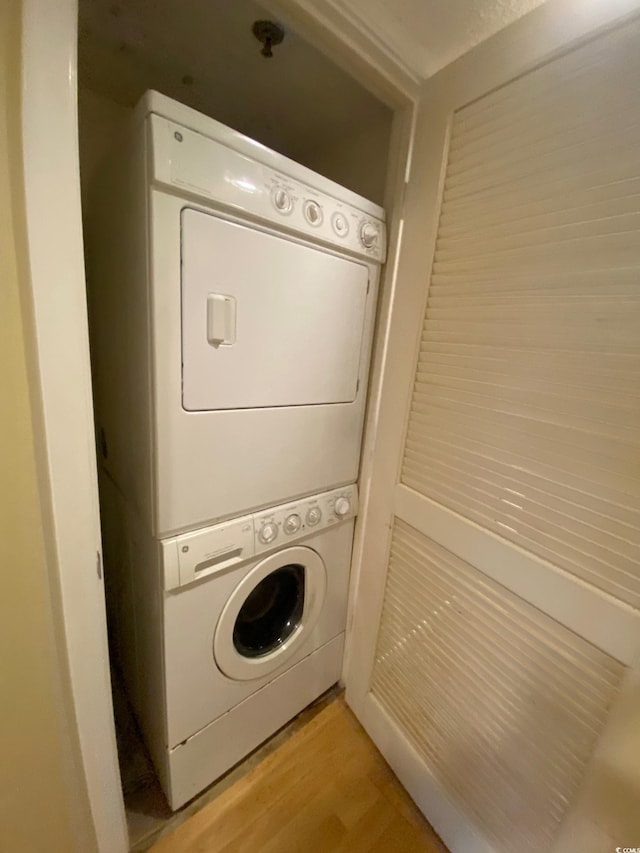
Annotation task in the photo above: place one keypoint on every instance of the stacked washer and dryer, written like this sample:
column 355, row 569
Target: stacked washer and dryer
column 232, row 296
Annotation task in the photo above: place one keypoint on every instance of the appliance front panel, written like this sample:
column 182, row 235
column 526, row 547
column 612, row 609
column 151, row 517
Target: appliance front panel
column 266, row 322
column 214, row 749
column 197, row 690
column 212, row 465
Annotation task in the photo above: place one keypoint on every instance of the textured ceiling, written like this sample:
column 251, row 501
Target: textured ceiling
column 202, row 52
column 426, row 35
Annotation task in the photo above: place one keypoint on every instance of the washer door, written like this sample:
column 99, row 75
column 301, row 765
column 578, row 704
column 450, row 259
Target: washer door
column 270, row 614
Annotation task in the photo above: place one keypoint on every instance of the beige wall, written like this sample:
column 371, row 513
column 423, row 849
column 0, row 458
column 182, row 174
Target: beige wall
column 101, row 122
column 35, row 768
column 358, row 161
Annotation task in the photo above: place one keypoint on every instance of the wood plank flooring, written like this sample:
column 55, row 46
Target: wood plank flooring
column 325, row 790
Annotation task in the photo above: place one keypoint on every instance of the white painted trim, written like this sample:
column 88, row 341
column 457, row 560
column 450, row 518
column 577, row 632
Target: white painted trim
column 449, row 821
column 346, row 20
column 401, row 149
column 397, row 343
column 62, row 394
column 602, row 620
column 357, row 50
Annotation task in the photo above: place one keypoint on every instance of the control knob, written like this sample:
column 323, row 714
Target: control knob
column 268, row 532
column 340, row 224
column 292, row 523
column 313, row 213
column 313, row 516
column 282, row 200
column 342, row 506
column 369, row 233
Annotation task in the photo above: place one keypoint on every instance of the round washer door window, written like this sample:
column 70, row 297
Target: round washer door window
column 270, row 613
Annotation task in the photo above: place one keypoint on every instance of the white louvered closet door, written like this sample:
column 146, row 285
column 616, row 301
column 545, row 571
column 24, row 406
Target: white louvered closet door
column 508, row 602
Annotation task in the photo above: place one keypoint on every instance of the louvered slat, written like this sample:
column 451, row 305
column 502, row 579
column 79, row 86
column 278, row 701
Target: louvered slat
column 504, row 704
column 525, row 415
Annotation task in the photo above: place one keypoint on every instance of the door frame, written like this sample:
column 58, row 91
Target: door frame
column 60, row 388
column 60, row 368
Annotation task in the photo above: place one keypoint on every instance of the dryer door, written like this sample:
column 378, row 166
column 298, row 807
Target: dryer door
column 270, row 614
column 266, row 321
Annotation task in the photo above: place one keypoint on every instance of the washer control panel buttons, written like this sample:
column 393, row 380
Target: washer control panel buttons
column 282, row 200
column 314, row 516
column 268, row 532
column 313, row 213
column 278, row 526
column 292, row 523
column 340, row 224
column 212, row 550
column 342, row 506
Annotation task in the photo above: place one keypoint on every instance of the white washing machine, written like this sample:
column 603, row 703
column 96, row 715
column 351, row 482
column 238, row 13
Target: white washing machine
column 230, row 631
column 232, row 297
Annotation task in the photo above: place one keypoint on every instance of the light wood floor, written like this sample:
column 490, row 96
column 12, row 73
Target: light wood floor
column 325, row 790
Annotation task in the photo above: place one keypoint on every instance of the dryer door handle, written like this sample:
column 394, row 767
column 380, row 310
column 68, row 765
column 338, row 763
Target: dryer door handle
column 221, row 320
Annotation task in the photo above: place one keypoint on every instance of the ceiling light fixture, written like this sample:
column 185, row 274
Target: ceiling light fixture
column 269, row 33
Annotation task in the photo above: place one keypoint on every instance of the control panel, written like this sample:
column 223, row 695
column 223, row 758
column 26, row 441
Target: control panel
column 328, row 218
column 190, row 160
column 280, row 525
column 216, row 549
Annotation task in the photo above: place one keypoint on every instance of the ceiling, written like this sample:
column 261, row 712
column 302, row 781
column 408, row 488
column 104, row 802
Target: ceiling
column 203, row 53
column 425, row 35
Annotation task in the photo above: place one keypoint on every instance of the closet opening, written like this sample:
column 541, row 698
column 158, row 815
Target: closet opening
column 298, row 103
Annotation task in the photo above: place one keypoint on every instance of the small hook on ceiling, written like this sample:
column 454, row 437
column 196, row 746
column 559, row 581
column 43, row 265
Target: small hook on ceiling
column 269, row 33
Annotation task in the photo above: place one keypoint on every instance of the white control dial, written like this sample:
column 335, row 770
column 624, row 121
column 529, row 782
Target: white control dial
column 268, row 532
column 369, row 233
column 342, row 506
column 292, row 523
column 312, row 213
column 282, row 201
column 313, row 516
column 340, row 224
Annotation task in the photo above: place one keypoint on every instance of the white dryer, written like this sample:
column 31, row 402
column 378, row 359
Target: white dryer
column 232, row 294
column 235, row 629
